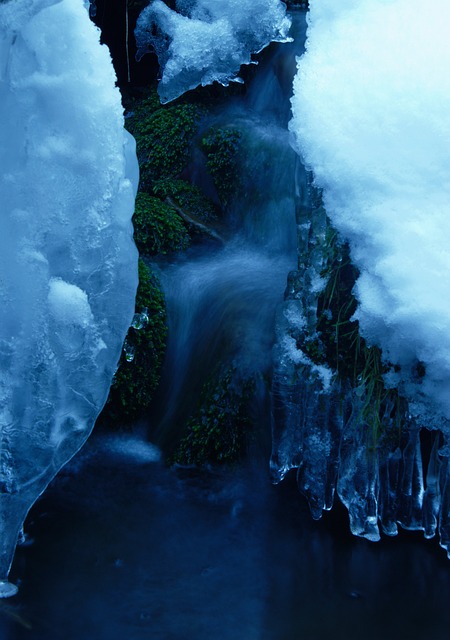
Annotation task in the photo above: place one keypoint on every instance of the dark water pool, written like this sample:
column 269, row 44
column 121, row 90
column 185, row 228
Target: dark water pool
column 122, row 548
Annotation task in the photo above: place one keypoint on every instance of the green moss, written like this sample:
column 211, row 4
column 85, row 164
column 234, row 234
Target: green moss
column 140, row 107
column 163, row 137
column 218, row 432
column 339, row 345
column 137, row 377
column 158, row 229
column 338, row 331
column 188, row 197
column 221, row 147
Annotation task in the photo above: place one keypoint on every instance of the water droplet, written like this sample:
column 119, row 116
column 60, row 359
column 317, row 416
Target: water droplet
column 129, row 351
column 140, row 320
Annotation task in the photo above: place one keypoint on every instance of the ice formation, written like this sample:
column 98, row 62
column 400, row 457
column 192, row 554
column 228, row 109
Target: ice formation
column 371, row 118
column 206, row 41
column 68, row 271
column 371, row 121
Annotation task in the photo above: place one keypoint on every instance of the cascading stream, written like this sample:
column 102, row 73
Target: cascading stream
column 221, row 301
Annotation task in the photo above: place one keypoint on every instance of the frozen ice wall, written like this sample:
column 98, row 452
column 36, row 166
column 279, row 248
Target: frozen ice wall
column 68, row 264
column 372, row 120
column 207, row 40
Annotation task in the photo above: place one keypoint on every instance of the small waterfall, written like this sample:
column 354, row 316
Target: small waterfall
column 344, row 434
column 221, row 310
column 221, row 300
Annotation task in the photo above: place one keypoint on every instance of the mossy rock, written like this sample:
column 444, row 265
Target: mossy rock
column 189, row 198
column 140, row 364
column 164, row 137
column 158, row 229
column 218, row 432
column 222, row 147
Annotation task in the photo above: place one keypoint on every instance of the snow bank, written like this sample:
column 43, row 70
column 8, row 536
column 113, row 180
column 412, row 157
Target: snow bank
column 206, row 41
column 371, row 117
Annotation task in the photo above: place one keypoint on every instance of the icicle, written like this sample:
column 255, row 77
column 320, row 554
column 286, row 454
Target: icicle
column 322, row 426
column 286, row 432
column 411, row 496
column 389, row 457
column 358, row 475
column 389, row 476
column 444, row 513
column 432, row 496
column 127, row 50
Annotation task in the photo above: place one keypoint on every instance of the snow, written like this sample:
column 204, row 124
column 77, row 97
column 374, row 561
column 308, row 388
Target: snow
column 206, row 41
column 68, row 303
column 68, row 264
column 371, row 118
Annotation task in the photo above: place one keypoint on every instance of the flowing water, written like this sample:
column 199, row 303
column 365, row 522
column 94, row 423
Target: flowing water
column 121, row 547
column 221, row 301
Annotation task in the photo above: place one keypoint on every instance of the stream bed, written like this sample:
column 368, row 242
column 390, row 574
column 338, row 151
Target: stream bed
column 122, row 547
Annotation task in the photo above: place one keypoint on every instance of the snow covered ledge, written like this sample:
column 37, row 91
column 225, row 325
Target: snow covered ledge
column 371, row 119
column 68, row 264
column 204, row 42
